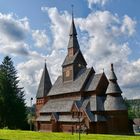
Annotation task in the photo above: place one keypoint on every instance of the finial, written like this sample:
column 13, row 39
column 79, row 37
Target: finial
column 112, row 67
column 72, row 11
column 45, row 60
column 103, row 70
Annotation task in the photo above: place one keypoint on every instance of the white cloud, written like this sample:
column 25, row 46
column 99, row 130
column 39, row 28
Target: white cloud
column 13, row 33
column 98, row 34
column 101, row 31
column 30, row 72
column 128, row 26
column 40, row 37
column 60, row 24
column 131, row 72
column 18, row 48
column 96, row 2
column 13, row 29
column 103, row 45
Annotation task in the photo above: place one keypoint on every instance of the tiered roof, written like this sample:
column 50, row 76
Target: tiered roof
column 114, row 101
column 113, row 87
column 73, row 42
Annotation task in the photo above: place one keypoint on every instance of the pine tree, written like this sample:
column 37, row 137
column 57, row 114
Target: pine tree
column 13, row 109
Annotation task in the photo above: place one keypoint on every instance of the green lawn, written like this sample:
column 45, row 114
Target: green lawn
column 28, row 135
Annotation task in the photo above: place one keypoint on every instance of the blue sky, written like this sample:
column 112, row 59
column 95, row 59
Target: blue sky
column 108, row 32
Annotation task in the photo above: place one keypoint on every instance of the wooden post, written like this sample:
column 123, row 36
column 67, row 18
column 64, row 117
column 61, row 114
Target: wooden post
column 31, row 115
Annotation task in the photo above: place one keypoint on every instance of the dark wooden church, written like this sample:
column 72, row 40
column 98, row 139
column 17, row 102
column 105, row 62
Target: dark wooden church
column 80, row 99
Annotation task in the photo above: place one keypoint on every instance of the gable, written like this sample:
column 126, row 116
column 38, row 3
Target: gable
column 74, row 108
column 73, row 59
column 102, row 85
column 54, row 116
column 98, row 83
column 80, row 59
column 93, row 82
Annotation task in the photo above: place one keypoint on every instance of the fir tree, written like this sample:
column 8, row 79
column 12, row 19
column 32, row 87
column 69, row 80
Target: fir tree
column 13, row 109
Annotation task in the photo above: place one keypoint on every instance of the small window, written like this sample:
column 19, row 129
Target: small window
column 76, row 114
column 79, row 65
column 67, row 73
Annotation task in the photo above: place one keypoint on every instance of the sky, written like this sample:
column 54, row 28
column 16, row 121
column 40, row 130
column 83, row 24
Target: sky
column 108, row 32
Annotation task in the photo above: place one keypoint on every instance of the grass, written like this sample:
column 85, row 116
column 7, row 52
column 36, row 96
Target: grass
column 29, row 135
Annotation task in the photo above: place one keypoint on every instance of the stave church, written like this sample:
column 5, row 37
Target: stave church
column 80, row 99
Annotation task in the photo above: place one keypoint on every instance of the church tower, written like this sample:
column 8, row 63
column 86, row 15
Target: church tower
column 114, row 100
column 43, row 89
column 115, row 106
column 74, row 60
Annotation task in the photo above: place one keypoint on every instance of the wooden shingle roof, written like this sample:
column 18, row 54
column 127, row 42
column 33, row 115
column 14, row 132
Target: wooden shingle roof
column 68, row 118
column 113, row 87
column 70, row 60
column 73, row 42
column 93, row 82
column 44, row 118
column 57, row 105
column 114, row 103
column 45, row 84
column 61, row 87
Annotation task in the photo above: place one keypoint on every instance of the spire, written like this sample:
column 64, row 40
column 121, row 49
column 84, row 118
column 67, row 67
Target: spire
column 74, row 61
column 114, row 100
column 72, row 29
column 45, row 83
column 113, row 86
column 73, row 42
column 112, row 75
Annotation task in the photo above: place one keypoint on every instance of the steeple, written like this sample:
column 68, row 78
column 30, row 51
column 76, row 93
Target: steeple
column 45, row 84
column 73, row 31
column 74, row 61
column 73, row 45
column 113, row 86
column 112, row 75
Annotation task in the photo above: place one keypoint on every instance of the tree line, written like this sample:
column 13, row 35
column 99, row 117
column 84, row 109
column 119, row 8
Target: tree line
column 12, row 102
column 133, row 108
